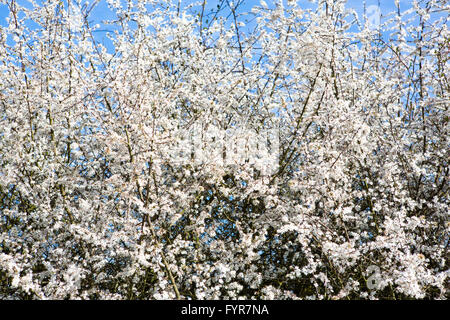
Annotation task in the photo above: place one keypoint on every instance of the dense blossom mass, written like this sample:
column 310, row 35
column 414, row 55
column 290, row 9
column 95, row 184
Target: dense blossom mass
column 246, row 150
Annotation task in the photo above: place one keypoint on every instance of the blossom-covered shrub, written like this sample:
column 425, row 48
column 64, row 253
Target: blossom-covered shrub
column 277, row 153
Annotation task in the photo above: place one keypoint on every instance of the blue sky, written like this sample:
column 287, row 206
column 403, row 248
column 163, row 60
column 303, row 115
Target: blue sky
column 101, row 11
